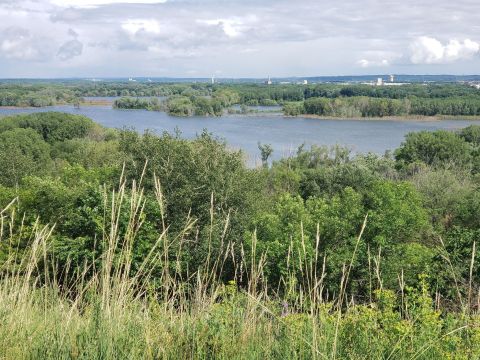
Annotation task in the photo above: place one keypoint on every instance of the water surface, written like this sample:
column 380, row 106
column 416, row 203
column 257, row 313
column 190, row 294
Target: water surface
column 244, row 132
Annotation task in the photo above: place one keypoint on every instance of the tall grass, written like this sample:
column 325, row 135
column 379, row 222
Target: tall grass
column 113, row 312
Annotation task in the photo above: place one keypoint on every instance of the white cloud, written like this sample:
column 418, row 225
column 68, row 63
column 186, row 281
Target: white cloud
column 428, row 50
column 70, row 49
column 365, row 63
column 133, row 26
column 19, row 43
column 95, row 3
column 381, row 53
column 240, row 37
column 232, row 27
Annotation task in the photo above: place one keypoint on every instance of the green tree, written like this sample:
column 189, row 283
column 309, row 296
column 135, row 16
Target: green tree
column 471, row 134
column 199, row 179
column 439, row 148
column 266, row 151
column 22, row 152
column 293, row 108
column 180, row 106
column 52, row 126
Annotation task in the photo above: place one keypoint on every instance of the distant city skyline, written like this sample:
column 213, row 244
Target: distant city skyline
column 237, row 38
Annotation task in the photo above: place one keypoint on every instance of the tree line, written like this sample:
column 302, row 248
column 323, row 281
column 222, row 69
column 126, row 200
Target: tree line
column 379, row 107
column 186, row 99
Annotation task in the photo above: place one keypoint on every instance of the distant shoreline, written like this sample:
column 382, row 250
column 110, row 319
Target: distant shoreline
column 390, row 118
column 271, row 113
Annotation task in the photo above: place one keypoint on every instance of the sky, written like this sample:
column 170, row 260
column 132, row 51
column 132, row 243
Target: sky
column 237, row 38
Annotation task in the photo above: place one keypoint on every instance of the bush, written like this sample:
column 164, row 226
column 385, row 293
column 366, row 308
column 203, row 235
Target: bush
column 439, row 148
column 293, row 109
column 52, row 126
column 22, row 152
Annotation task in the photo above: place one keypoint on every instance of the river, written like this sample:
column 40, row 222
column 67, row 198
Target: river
column 244, row 132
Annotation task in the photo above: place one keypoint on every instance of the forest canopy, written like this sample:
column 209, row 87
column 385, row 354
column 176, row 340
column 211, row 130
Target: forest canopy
column 205, row 99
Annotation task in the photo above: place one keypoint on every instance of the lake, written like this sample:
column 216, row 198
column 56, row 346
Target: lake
column 244, row 132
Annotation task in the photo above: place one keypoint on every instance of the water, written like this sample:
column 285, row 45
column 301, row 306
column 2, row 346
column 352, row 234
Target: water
column 277, row 109
column 244, row 132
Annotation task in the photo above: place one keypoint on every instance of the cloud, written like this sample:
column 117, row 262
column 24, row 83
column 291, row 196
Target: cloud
column 377, row 57
column 73, row 33
column 232, row 27
column 95, row 3
column 428, row 50
column 70, row 49
column 134, row 26
column 239, row 37
column 373, row 63
column 19, row 43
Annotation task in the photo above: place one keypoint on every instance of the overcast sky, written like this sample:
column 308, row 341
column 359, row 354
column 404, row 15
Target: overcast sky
column 237, row 38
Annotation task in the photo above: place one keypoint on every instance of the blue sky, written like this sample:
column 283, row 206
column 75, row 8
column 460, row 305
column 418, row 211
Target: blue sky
column 237, row 38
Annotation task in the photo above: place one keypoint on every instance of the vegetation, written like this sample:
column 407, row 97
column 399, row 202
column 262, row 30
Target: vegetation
column 204, row 99
column 380, row 107
column 115, row 244
column 183, row 105
column 137, row 103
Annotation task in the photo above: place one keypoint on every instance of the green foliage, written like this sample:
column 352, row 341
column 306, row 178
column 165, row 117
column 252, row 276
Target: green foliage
column 471, row 134
column 171, row 248
column 199, row 179
column 287, row 235
column 318, row 106
column 230, row 328
column 396, row 214
column 22, row 152
column 439, row 148
column 293, row 108
column 138, row 103
column 298, row 218
column 469, row 106
column 356, row 107
column 187, row 99
column 88, row 153
column 200, row 105
column 266, row 151
column 444, row 193
column 52, row 126
column 180, row 106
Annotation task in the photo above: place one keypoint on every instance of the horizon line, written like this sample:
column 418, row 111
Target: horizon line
column 99, row 78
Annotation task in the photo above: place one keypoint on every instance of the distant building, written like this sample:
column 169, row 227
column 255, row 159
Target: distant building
column 213, row 80
column 269, row 81
column 475, row 84
column 305, row 82
column 381, row 82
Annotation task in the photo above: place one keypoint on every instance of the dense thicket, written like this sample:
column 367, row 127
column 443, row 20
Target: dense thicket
column 115, row 244
column 183, row 105
column 189, row 99
column 380, row 107
column 422, row 204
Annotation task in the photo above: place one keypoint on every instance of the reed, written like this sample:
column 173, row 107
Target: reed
column 113, row 311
